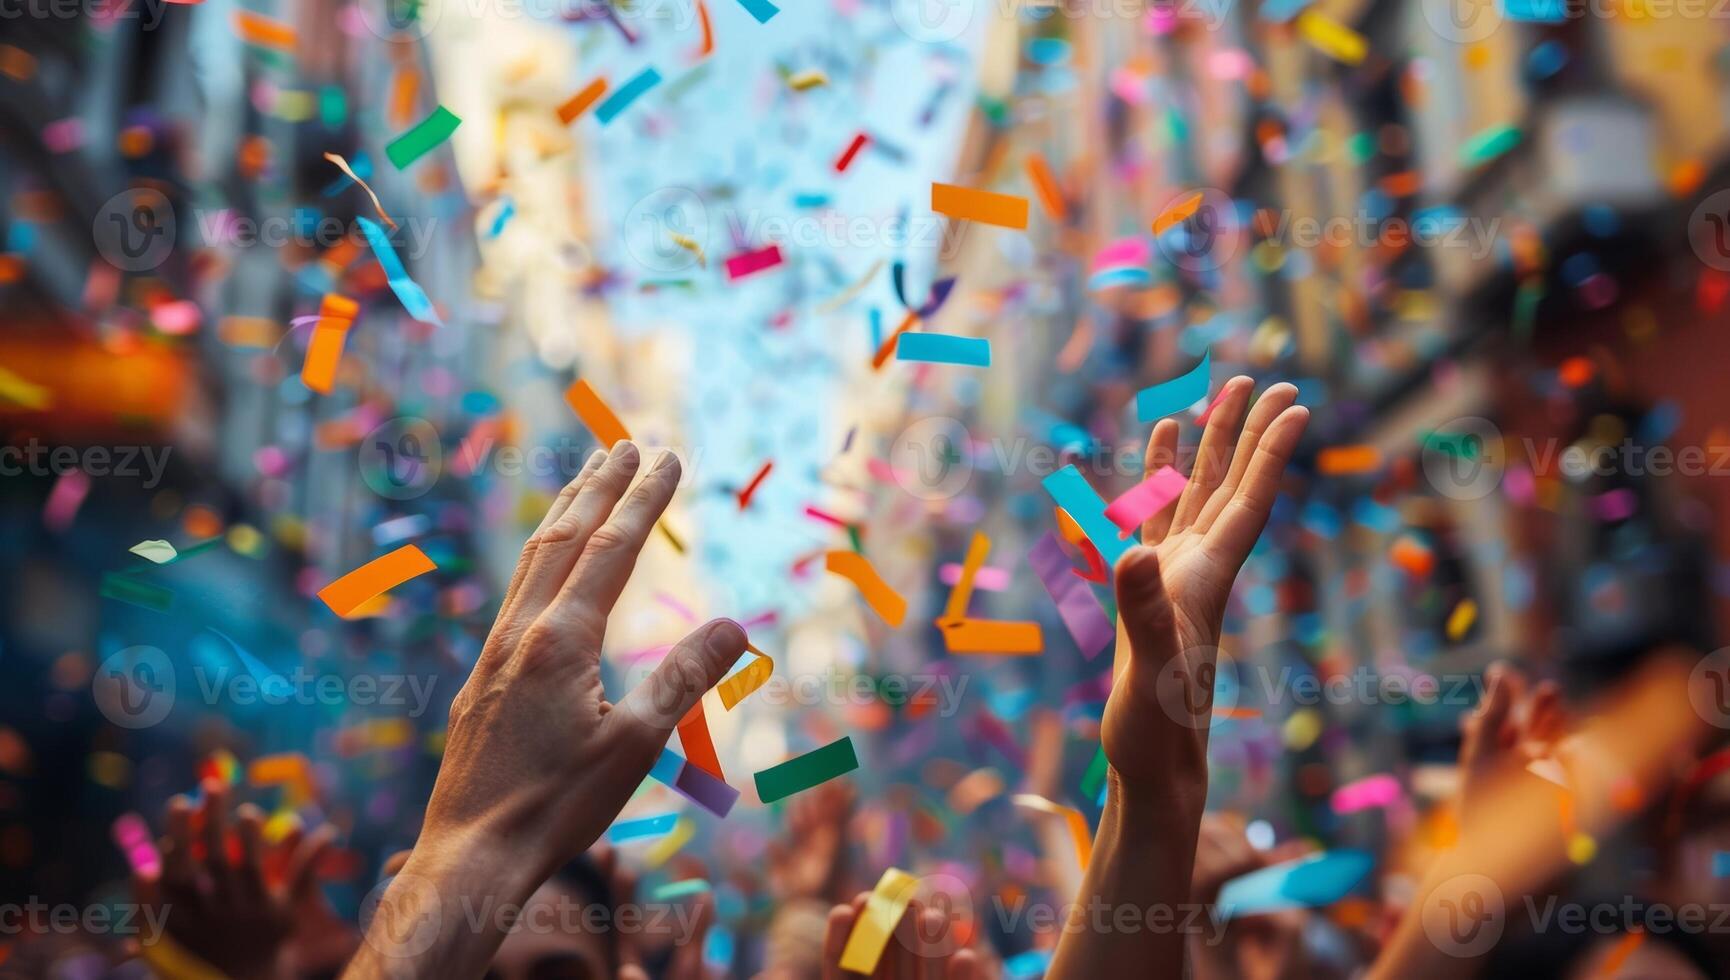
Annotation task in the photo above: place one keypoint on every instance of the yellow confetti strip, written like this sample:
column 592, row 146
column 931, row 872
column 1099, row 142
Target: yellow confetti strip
column 663, row 850
column 1333, row 38
column 888, row 902
column 691, row 245
column 21, row 392
column 809, row 79
column 1462, row 618
column 739, row 687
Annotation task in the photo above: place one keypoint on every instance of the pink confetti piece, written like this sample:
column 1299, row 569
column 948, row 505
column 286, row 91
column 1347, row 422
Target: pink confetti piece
column 750, row 263
column 989, row 579
column 1146, row 499
column 63, row 501
column 1367, row 793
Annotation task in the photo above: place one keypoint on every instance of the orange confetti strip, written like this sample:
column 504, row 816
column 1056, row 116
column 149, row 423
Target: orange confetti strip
column 1340, row 460
column 587, row 403
column 1045, row 184
column 1078, row 831
column 376, row 206
column 708, row 30
column 699, row 745
column 883, row 353
column 402, row 96
column 885, row 601
column 1621, row 952
column 977, row 550
column 345, row 595
column 1178, row 212
column 263, row 31
column 990, row 636
column 577, row 104
column 985, row 207
column 335, row 315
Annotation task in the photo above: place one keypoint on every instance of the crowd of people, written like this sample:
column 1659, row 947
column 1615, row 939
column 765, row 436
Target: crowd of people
column 511, row 875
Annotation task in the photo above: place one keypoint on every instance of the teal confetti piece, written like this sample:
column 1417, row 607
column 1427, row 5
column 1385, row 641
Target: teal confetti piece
column 1076, row 496
column 762, row 10
column 414, row 299
column 1308, row 882
column 943, row 348
column 642, row 827
column 1169, row 397
column 626, row 94
column 680, row 889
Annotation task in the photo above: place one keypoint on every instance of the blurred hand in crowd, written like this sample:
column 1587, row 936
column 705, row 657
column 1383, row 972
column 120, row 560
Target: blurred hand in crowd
column 807, row 860
column 231, row 898
column 1514, row 725
column 538, row 761
column 1251, row 947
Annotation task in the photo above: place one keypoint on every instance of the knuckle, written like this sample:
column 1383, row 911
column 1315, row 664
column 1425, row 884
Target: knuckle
column 561, row 531
column 609, row 537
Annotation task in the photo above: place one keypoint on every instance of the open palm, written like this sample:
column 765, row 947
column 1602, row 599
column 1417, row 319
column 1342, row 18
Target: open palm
column 1172, row 590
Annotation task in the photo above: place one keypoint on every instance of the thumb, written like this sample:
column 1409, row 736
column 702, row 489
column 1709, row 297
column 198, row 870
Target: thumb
column 1145, row 608
column 695, row 664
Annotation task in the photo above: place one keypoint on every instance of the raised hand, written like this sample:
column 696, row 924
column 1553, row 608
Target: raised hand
column 1171, row 593
column 538, row 761
column 1172, row 590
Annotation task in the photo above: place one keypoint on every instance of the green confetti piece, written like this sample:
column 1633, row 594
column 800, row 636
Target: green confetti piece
column 135, row 593
column 811, row 769
column 1095, row 777
column 420, row 140
column 1490, row 144
column 332, row 106
column 680, row 889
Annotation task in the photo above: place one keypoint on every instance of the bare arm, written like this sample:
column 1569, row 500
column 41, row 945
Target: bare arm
column 537, row 761
column 1172, row 592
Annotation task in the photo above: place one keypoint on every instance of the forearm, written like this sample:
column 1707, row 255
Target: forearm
column 1133, row 904
column 447, row 911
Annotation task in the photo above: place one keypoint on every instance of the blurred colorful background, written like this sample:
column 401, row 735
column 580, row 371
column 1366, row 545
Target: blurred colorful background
column 1489, row 240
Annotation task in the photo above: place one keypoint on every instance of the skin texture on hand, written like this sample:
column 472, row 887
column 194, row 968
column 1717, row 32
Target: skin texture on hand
column 538, row 762
column 232, row 899
column 1172, row 592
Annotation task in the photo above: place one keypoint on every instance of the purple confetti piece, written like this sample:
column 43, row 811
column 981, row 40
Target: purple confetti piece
column 1082, row 615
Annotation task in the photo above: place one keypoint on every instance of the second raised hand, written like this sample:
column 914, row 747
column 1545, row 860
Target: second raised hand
column 538, row 762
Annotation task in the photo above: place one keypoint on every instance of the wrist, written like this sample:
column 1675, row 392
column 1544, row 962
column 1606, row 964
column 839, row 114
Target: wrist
column 1174, row 809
